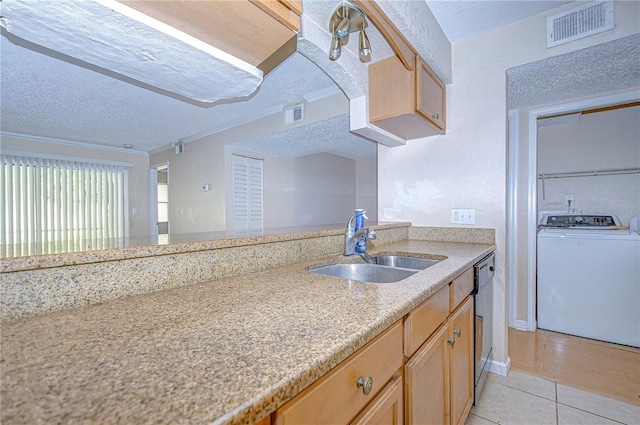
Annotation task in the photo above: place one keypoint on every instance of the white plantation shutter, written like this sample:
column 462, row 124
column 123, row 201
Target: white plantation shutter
column 247, row 193
column 53, row 205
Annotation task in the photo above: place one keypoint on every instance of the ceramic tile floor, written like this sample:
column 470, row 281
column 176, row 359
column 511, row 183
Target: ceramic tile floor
column 520, row 399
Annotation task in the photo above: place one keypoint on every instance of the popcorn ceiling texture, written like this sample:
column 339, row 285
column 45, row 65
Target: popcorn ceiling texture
column 141, row 52
column 331, row 136
column 603, row 68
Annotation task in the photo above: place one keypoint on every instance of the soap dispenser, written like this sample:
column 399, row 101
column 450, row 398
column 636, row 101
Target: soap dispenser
column 361, row 243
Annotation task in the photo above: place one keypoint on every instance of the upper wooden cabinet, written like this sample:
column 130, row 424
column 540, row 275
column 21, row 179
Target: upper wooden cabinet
column 260, row 32
column 407, row 103
column 430, row 95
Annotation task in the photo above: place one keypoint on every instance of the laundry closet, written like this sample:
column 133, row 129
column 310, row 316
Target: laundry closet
column 588, row 245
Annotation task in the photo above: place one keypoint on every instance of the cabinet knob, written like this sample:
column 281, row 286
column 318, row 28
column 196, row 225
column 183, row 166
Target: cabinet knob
column 435, row 116
column 457, row 332
column 451, row 341
column 366, row 384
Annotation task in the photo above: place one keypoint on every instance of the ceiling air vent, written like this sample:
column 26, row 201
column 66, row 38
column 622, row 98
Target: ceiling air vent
column 579, row 22
column 294, row 114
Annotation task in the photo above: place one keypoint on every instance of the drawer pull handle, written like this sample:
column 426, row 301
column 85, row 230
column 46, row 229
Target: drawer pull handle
column 451, row 341
column 366, row 384
column 457, row 332
column 435, row 116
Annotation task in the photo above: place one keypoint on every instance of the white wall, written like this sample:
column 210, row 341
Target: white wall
column 191, row 210
column 138, row 174
column 313, row 190
column 367, row 187
column 466, row 168
column 310, row 190
column 603, row 140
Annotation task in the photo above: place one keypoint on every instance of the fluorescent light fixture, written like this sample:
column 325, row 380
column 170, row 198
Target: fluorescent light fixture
column 115, row 37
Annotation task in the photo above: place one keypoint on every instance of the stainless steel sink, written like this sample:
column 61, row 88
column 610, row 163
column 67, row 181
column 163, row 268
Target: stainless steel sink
column 406, row 262
column 366, row 272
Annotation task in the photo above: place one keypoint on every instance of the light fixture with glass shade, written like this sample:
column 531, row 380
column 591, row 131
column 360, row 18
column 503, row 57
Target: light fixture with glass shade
column 348, row 18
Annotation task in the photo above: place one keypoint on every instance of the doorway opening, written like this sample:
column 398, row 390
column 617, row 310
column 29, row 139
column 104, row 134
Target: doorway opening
column 159, row 199
column 523, row 166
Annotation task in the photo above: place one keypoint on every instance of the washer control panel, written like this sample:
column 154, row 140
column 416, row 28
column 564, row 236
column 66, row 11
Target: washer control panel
column 598, row 221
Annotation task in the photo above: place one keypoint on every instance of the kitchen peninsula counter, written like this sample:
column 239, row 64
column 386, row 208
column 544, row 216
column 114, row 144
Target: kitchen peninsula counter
column 228, row 351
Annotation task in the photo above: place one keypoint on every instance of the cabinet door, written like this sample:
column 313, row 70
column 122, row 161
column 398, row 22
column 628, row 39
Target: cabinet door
column 386, row 408
column 430, row 94
column 427, row 382
column 461, row 328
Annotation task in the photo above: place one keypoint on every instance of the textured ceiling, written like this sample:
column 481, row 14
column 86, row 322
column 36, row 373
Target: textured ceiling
column 50, row 96
column 599, row 69
column 463, row 19
column 132, row 44
column 331, row 136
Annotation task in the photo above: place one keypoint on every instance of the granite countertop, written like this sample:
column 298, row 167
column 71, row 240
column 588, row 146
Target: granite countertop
column 228, row 351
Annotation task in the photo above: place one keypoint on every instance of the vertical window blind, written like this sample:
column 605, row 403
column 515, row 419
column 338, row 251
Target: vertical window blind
column 247, row 194
column 51, row 205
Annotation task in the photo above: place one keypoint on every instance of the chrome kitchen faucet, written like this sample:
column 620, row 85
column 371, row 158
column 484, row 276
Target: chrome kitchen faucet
column 352, row 236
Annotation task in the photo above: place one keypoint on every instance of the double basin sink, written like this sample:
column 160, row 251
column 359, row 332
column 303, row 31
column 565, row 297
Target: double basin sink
column 387, row 269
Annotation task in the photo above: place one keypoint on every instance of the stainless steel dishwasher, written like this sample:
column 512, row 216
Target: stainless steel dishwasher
column 483, row 324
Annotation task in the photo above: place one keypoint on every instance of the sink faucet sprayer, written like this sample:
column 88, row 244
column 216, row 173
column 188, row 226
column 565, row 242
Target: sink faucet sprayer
column 355, row 237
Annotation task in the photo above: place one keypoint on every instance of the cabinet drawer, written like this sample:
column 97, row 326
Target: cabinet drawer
column 336, row 397
column 424, row 320
column 461, row 287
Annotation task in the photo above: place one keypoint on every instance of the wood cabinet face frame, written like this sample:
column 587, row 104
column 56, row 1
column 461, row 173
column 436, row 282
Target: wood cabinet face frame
column 430, row 95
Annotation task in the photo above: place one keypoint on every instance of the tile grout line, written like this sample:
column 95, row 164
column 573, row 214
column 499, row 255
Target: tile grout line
column 591, row 413
column 557, row 401
column 527, row 392
column 555, row 393
column 482, row 417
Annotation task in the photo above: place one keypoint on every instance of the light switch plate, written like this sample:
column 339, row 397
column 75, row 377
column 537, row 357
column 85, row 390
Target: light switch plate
column 463, row 216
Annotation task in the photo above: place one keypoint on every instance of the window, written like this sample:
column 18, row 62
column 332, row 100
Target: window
column 54, row 205
column 247, row 194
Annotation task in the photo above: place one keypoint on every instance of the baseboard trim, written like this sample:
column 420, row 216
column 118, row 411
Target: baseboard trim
column 500, row 368
column 522, row 325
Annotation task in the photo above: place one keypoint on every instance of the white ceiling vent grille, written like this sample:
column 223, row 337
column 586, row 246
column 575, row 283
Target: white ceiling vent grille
column 579, row 22
column 294, row 114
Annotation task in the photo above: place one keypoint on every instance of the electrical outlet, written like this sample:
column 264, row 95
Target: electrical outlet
column 463, row 216
column 569, row 197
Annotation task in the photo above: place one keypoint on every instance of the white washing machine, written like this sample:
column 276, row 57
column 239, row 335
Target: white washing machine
column 588, row 280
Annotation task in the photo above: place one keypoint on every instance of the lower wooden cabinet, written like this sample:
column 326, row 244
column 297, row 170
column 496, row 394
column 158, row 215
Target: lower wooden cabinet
column 439, row 377
column 462, row 358
column 427, row 382
column 356, row 383
column 369, row 386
